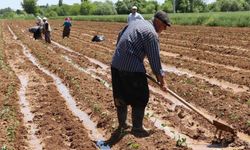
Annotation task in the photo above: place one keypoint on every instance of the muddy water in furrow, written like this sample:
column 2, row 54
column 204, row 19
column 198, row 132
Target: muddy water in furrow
column 158, row 123
column 186, row 74
column 67, row 139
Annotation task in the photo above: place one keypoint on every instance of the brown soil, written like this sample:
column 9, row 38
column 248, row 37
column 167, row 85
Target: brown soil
column 59, row 128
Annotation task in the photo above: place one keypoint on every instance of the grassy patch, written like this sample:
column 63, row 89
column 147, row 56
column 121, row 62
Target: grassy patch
column 227, row 19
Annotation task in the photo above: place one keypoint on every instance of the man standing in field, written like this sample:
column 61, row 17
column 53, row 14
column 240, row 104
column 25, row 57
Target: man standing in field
column 46, row 30
column 130, row 87
column 134, row 15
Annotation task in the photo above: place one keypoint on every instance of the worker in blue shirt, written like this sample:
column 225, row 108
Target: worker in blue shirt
column 67, row 25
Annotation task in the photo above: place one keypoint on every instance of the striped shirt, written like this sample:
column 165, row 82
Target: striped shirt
column 138, row 41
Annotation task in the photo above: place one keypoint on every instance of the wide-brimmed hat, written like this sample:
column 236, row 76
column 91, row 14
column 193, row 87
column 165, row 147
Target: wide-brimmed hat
column 163, row 16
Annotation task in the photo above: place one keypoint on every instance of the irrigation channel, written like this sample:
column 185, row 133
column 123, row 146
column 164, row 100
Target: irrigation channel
column 64, row 94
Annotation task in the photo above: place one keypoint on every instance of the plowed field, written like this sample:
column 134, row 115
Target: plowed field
column 59, row 96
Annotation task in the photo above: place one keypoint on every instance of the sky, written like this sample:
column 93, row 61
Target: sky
column 16, row 4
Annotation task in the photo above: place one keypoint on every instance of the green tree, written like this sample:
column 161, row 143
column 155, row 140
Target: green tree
column 198, row 6
column 29, row 6
column 74, row 10
column 167, row 6
column 232, row 5
column 9, row 15
column 51, row 13
column 121, row 7
column 20, row 12
column 150, row 7
column 139, row 3
column 5, row 10
column 182, row 6
column 213, row 7
column 60, row 3
column 106, row 8
column 85, row 8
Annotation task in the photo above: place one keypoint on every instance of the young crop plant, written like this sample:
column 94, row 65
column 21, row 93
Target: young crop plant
column 234, row 117
column 248, row 102
column 189, row 81
column 10, row 91
column 133, row 145
column 4, row 147
column 5, row 113
column 11, row 133
column 248, row 123
column 181, row 142
column 163, row 125
column 147, row 115
column 97, row 108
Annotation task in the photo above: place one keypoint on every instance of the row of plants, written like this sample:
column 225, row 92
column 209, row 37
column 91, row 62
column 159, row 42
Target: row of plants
column 9, row 115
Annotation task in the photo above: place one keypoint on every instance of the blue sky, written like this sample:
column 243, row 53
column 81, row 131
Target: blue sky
column 16, row 4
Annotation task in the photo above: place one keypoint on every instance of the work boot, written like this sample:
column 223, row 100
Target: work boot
column 137, row 118
column 122, row 117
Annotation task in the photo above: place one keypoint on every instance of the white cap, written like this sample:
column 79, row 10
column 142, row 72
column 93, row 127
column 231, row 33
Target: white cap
column 44, row 18
column 134, row 7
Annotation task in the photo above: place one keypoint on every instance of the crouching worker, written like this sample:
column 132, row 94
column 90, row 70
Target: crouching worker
column 46, row 30
column 36, row 30
column 130, row 86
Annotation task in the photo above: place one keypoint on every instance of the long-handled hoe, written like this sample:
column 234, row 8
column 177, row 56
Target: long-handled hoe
column 220, row 126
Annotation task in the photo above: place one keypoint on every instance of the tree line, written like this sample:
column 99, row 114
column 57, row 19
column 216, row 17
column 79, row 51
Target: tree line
column 87, row 7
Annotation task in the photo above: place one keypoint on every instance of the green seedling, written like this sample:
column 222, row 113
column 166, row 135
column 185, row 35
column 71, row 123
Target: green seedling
column 147, row 115
column 248, row 123
column 221, row 114
column 104, row 114
column 248, row 102
column 181, row 142
column 234, row 117
column 163, row 125
column 97, row 108
column 133, row 145
column 189, row 81
column 10, row 133
column 4, row 147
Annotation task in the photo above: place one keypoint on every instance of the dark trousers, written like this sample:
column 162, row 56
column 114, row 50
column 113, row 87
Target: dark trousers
column 47, row 36
column 130, row 88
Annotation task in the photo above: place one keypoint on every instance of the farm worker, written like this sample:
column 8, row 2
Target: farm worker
column 38, row 33
column 67, row 24
column 39, row 21
column 134, row 15
column 130, row 87
column 46, row 30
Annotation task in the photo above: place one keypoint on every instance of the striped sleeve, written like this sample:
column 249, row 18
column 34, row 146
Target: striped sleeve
column 152, row 49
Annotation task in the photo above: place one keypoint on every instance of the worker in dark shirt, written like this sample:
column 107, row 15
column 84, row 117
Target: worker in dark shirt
column 46, row 30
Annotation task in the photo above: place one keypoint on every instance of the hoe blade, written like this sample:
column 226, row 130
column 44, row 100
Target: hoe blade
column 224, row 127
